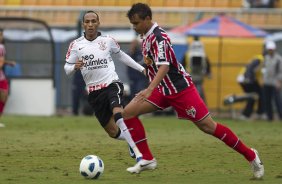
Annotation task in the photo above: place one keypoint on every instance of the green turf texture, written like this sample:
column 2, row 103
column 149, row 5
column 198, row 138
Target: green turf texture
column 48, row 150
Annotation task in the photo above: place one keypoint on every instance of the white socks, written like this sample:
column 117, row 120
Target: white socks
column 127, row 136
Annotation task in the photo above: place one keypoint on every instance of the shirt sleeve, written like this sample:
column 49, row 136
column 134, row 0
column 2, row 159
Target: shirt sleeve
column 71, row 58
column 115, row 48
column 126, row 59
column 71, row 55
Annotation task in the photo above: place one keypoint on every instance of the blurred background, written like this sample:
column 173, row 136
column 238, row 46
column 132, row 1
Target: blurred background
column 38, row 33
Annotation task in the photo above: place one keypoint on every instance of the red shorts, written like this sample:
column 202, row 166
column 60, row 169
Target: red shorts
column 4, row 85
column 188, row 104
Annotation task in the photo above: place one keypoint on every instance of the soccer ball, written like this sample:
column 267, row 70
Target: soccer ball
column 91, row 167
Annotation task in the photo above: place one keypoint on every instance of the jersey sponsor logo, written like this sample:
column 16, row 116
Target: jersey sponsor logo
column 91, row 63
column 80, row 48
column 191, row 111
column 161, row 50
column 97, row 87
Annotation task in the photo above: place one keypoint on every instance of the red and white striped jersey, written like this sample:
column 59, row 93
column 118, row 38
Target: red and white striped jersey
column 157, row 50
column 2, row 54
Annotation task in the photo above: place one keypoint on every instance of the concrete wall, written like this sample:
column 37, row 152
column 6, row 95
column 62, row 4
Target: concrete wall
column 31, row 97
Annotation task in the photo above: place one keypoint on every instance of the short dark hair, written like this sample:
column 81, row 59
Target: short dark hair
column 90, row 11
column 143, row 10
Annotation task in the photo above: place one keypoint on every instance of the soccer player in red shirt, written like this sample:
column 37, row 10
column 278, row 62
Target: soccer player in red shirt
column 4, row 85
column 171, row 85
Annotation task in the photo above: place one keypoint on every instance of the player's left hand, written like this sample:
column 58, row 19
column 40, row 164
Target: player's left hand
column 144, row 72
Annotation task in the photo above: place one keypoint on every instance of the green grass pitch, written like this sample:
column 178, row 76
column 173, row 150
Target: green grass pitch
column 48, row 150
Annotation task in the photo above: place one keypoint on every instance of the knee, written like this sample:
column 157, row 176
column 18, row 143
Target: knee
column 112, row 130
column 113, row 133
column 126, row 114
column 205, row 129
column 207, row 125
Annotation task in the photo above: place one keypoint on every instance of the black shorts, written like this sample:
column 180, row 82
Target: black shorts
column 104, row 100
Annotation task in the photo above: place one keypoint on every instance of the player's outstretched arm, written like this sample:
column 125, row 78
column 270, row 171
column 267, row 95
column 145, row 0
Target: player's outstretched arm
column 126, row 59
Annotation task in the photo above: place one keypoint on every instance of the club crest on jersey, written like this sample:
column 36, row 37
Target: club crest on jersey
column 102, row 45
column 148, row 60
column 191, row 111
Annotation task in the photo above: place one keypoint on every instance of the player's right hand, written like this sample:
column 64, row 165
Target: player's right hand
column 79, row 64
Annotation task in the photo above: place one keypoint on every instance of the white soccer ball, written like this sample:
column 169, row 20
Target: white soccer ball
column 91, row 167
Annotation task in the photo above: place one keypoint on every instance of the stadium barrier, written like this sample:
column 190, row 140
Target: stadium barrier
column 115, row 17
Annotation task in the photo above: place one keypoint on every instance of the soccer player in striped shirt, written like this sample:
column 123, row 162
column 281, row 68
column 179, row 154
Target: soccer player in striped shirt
column 171, row 85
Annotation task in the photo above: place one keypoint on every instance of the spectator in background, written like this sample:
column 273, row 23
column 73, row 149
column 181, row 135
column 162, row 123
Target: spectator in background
column 4, row 85
column 137, row 80
column 198, row 64
column 249, row 80
column 272, row 80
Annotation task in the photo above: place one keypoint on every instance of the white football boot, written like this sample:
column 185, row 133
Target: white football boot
column 257, row 166
column 2, row 125
column 143, row 165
